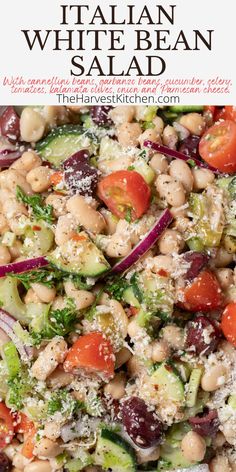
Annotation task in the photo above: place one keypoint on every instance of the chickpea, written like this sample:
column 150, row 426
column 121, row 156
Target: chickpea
column 55, row 115
column 170, row 242
column 159, row 124
column 134, row 330
column 85, row 215
column 122, row 357
column 182, row 224
column 5, row 256
column 174, row 336
column 162, row 263
column 19, row 461
column 170, row 189
column 64, row 228
column 52, row 430
column 16, row 249
column 53, row 354
column 135, row 367
column 82, row 298
column 194, row 122
column 28, row 161
column 180, row 171
column 225, row 277
column 160, row 351
column 38, row 466
column 128, row 134
column 202, row 178
column 58, row 203
column 3, row 224
column 12, row 449
column 170, row 137
column 193, row 447
column 46, row 448
column 149, row 135
column 222, row 258
column 214, row 378
column 31, row 297
column 159, row 163
column 219, row 440
column 146, row 455
column 45, row 294
column 32, row 125
column 220, row 464
column 122, row 114
column 59, row 378
column 116, row 387
column 39, row 179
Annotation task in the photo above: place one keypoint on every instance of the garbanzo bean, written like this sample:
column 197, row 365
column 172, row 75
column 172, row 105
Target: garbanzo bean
column 116, row 387
column 38, row 466
column 225, row 277
column 149, row 135
column 220, row 464
column 159, row 163
column 58, row 203
column 47, row 448
column 159, row 124
column 128, row 134
column 31, row 297
column 193, row 447
column 59, row 378
column 222, row 257
column 3, row 224
column 160, row 351
column 32, row 125
column 202, row 178
column 174, row 336
column 170, row 137
column 214, row 378
column 122, row 357
column 170, row 242
column 162, row 263
column 194, row 122
column 39, row 179
column 85, row 215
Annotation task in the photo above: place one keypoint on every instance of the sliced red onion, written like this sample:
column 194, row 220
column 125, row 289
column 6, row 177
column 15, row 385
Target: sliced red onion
column 7, row 323
column 23, row 266
column 147, row 242
column 7, row 157
column 179, row 155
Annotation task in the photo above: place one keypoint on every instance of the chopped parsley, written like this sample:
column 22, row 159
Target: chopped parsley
column 35, row 202
column 128, row 214
column 116, row 287
column 63, row 402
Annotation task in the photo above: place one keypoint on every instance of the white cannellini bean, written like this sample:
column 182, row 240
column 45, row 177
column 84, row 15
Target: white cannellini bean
column 180, row 171
column 32, row 125
column 44, row 293
column 160, row 350
column 146, row 455
column 3, row 224
column 159, row 124
column 64, row 228
column 85, row 215
column 12, row 208
column 122, row 114
column 159, row 163
column 214, row 377
column 58, row 203
column 28, row 161
column 193, row 447
column 134, row 330
column 59, row 378
column 53, row 354
column 202, row 178
column 31, row 297
column 225, row 277
column 118, row 246
column 16, row 249
column 39, row 179
column 47, row 448
column 149, row 135
column 222, row 258
column 14, row 178
column 38, row 466
column 116, row 387
column 170, row 137
column 82, row 298
column 111, row 221
column 128, row 134
column 52, row 430
column 161, row 262
column 11, row 449
column 170, row 189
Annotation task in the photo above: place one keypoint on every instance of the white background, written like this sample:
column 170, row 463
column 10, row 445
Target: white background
column 17, row 60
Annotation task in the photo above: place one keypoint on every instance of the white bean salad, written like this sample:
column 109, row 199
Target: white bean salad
column 117, row 289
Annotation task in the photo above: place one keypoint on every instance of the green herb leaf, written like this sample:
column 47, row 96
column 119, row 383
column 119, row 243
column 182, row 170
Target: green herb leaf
column 42, row 276
column 128, row 215
column 116, row 287
column 35, row 202
column 63, row 401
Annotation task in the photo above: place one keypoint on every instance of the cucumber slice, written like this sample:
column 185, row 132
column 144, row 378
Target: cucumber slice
column 129, row 297
column 11, row 301
column 168, row 384
column 114, row 453
column 171, row 459
column 11, row 358
column 193, row 386
column 80, row 257
column 186, row 108
column 38, row 239
column 64, row 141
column 144, row 170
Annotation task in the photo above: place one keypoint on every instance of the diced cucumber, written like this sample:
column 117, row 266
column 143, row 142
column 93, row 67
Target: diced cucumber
column 193, row 386
column 168, row 384
column 204, row 207
column 144, row 170
column 39, row 316
column 11, row 301
column 199, row 406
column 186, row 108
column 79, row 257
column 114, row 453
column 129, row 297
column 38, row 239
column 63, row 142
column 171, row 459
column 176, row 433
column 184, row 370
column 11, row 358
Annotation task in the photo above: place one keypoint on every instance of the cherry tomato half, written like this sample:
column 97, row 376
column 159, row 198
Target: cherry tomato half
column 93, row 352
column 125, row 193
column 218, row 146
column 29, row 443
column 203, row 294
column 6, row 426
column 228, row 323
column 230, row 113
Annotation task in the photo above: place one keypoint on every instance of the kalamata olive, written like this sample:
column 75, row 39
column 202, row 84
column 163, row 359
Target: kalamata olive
column 197, row 260
column 10, row 124
column 203, row 335
column 141, row 423
column 100, row 116
column 5, row 463
column 79, row 175
column 189, row 146
column 206, row 424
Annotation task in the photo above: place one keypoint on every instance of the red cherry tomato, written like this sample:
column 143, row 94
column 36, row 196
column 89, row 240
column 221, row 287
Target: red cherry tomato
column 218, row 146
column 22, row 424
column 125, row 193
column 228, row 323
column 203, row 294
column 230, row 113
column 6, row 426
column 93, row 352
